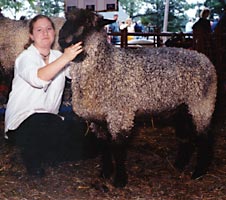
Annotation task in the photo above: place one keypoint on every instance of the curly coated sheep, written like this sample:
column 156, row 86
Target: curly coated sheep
column 14, row 35
column 111, row 85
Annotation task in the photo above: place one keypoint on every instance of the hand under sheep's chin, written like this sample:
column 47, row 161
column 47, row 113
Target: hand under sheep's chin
column 79, row 58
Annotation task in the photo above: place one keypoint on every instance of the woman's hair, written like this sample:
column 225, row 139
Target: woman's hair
column 205, row 13
column 31, row 27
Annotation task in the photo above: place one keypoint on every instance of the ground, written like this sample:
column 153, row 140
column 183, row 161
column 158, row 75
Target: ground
column 150, row 168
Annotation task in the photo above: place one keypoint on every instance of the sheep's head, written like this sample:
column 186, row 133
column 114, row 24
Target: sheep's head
column 80, row 23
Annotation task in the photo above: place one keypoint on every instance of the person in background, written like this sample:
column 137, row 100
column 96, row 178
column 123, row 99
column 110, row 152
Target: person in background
column 202, row 34
column 214, row 23
column 203, row 24
column 31, row 118
column 188, row 27
column 114, row 28
column 221, row 25
column 130, row 27
column 138, row 28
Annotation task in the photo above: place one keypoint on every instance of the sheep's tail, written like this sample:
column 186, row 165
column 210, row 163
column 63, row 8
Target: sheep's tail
column 203, row 107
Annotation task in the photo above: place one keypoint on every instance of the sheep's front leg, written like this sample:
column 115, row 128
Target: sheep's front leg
column 119, row 151
column 114, row 152
column 120, row 124
column 106, row 160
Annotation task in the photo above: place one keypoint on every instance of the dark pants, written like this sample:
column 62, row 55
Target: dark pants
column 46, row 137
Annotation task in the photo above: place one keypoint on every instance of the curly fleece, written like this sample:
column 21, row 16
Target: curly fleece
column 14, row 35
column 113, row 84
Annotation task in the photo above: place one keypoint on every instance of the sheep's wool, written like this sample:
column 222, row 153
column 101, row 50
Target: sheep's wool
column 113, row 84
column 14, row 35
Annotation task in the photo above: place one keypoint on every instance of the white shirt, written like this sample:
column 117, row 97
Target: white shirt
column 29, row 93
column 188, row 27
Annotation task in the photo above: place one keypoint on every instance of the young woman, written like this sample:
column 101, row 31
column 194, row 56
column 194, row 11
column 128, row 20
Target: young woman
column 31, row 118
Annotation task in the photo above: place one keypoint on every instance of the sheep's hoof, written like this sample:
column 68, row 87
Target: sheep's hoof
column 184, row 154
column 198, row 173
column 107, row 172
column 105, row 175
column 179, row 166
column 120, row 180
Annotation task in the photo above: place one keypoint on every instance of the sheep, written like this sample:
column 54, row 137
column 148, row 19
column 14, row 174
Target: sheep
column 111, row 86
column 14, row 35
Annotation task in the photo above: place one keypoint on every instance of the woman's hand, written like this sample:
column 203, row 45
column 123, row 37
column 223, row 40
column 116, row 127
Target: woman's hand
column 49, row 71
column 71, row 52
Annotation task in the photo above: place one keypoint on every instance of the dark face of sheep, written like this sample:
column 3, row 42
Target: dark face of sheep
column 79, row 24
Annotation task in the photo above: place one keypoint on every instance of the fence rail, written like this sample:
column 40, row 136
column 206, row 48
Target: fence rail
column 156, row 36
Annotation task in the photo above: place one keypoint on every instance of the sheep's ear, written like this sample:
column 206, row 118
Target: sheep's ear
column 102, row 22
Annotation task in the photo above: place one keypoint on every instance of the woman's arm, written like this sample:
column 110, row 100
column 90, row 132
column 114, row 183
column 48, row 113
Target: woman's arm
column 49, row 71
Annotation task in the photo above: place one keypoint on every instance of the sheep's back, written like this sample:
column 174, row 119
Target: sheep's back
column 116, row 87
column 14, row 35
column 139, row 79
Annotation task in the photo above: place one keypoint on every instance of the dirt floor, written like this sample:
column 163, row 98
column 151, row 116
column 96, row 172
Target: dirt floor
column 149, row 163
column 150, row 169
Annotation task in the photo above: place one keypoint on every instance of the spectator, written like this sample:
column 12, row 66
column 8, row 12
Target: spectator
column 114, row 28
column 221, row 25
column 202, row 34
column 203, row 24
column 138, row 29
column 188, row 27
column 214, row 24
column 130, row 27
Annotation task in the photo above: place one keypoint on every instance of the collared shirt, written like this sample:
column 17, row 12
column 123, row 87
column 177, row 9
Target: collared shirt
column 114, row 28
column 29, row 93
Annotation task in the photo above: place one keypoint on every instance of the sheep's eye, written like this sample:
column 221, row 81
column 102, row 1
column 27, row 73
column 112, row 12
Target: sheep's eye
column 79, row 31
column 69, row 39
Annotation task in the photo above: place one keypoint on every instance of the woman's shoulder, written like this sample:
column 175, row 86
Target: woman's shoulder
column 25, row 52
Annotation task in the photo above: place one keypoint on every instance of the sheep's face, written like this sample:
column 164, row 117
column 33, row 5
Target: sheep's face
column 79, row 25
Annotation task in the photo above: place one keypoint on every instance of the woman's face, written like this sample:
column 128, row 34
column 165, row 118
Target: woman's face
column 43, row 33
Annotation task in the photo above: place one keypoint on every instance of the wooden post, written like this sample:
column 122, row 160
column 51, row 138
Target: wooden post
column 157, row 30
column 124, row 38
column 165, row 23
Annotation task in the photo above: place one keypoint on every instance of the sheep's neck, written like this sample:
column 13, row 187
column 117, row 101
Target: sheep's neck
column 95, row 42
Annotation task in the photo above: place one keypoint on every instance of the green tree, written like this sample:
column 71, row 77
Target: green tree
column 12, row 6
column 154, row 14
column 47, row 7
column 132, row 7
column 216, row 6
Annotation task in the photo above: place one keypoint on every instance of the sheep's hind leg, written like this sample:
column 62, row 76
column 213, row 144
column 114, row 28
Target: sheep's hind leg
column 185, row 134
column 204, row 154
